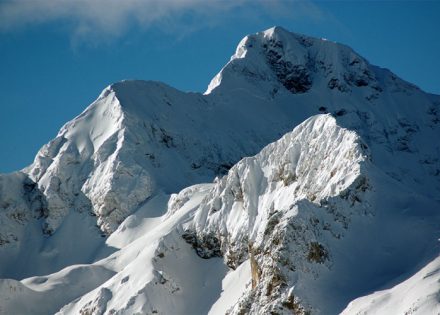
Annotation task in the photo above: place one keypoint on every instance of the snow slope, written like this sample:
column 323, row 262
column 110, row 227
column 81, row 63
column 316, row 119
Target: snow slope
column 344, row 205
column 417, row 295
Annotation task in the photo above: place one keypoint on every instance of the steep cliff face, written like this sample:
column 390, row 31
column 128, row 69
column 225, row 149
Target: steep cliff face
column 344, row 204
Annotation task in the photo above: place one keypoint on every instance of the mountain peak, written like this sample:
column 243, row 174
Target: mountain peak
column 276, row 30
column 280, row 34
column 278, row 59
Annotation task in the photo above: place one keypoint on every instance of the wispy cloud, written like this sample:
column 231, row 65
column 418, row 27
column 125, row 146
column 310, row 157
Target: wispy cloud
column 114, row 17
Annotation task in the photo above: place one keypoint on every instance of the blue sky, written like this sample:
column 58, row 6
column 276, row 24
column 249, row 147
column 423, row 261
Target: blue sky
column 56, row 58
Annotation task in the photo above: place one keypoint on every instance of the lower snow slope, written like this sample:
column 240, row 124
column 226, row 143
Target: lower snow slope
column 417, row 295
column 307, row 225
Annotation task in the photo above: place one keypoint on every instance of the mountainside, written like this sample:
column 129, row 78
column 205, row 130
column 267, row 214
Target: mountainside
column 116, row 214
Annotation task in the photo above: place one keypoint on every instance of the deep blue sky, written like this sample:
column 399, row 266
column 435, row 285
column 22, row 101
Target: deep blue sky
column 55, row 61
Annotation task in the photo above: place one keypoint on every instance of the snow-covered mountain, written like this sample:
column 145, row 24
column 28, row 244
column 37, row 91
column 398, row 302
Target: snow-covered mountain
column 156, row 201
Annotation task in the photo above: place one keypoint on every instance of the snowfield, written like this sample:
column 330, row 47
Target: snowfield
column 303, row 181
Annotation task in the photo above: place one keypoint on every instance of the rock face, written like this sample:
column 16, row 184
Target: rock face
column 300, row 221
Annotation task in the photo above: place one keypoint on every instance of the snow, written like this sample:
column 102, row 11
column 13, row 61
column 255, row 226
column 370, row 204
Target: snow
column 44, row 295
column 416, row 295
column 233, row 286
column 301, row 159
column 150, row 273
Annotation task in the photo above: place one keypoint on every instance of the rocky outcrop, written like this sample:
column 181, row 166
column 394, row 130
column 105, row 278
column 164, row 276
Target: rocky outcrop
column 20, row 203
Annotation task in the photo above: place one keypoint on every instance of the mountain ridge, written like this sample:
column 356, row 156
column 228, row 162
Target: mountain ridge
column 127, row 166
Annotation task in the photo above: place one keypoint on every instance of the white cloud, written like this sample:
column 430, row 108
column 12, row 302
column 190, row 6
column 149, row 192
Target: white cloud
column 113, row 17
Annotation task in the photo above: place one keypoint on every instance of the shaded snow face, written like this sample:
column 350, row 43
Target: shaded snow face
column 417, row 295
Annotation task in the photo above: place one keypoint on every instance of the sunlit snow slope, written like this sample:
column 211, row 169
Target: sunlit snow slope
column 158, row 201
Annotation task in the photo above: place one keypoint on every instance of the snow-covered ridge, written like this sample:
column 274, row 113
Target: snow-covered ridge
column 252, row 208
column 316, row 161
column 83, row 167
